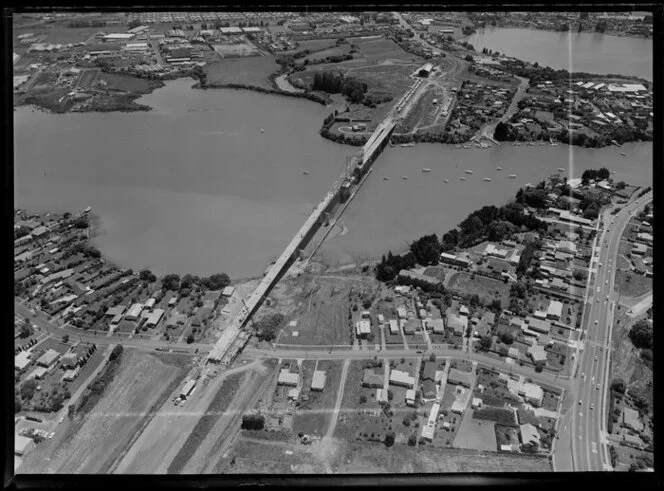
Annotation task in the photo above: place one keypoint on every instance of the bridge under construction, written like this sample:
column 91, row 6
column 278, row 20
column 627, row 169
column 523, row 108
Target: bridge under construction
column 234, row 337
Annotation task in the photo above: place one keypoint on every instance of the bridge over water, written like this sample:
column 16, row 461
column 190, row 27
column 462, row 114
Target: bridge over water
column 234, row 337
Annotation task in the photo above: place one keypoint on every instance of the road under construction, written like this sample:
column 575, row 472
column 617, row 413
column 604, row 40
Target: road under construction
column 234, row 338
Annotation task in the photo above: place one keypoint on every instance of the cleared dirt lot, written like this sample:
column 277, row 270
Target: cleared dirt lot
column 376, row 458
column 142, row 384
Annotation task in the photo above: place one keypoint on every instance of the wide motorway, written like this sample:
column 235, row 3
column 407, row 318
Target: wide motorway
column 589, row 418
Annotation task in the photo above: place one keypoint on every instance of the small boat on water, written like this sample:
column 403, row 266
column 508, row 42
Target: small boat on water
column 478, row 145
column 468, row 171
column 499, row 168
column 512, row 176
column 386, row 178
column 87, row 210
column 404, row 177
column 560, row 169
column 407, row 145
column 554, row 144
column 613, row 172
column 616, row 143
column 541, row 144
column 487, row 179
column 462, row 179
column 262, row 130
column 306, row 172
column 457, row 146
column 623, row 154
column 531, row 144
column 518, row 144
column 446, row 180
column 426, row 169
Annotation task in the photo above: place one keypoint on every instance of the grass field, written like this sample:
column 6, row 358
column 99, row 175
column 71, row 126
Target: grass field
column 475, row 434
column 372, row 458
column 488, row 289
column 126, row 83
column 127, row 404
column 631, row 284
column 251, row 456
column 236, row 50
column 87, row 78
column 254, row 71
column 324, row 319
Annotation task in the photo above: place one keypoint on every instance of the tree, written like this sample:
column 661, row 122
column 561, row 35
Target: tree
column 389, row 438
column 486, row 342
column 216, row 281
column 117, row 351
column 412, row 440
column 432, row 357
column 147, row 275
column 26, row 330
column 171, row 282
column 618, row 385
column 507, row 338
column 253, row 422
column 28, row 389
column 641, row 334
column 266, row 328
column 17, row 405
column 65, row 338
column 190, row 338
column 363, row 399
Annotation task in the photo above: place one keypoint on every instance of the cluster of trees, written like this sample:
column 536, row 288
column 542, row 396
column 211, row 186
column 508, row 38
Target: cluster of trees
column 595, row 174
column 505, row 132
column 329, row 59
column 253, row 422
column 335, row 83
column 491, row 223
column 389, row 267
column 488, row 223
column 98, row 386
column 21, row 232
column 86, row 250
column 173, row 282
column 527, row 256
column 266, row 328
column 641, row 334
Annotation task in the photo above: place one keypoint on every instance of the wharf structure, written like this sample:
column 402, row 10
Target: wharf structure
column 234, row 337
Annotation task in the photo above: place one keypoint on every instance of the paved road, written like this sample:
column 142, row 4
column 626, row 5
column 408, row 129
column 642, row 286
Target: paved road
column 56, row 331
column 589, row 451
column 318, row 354
column 417, row 37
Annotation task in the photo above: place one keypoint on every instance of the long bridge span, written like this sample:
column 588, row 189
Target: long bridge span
column 234, row 337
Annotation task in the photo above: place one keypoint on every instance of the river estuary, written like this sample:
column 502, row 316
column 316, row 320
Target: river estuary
column 195, row 186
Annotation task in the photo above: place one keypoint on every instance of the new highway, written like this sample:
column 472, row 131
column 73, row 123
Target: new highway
column 589, row 411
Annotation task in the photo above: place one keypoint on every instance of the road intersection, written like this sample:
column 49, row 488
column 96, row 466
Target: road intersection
column 586, row 421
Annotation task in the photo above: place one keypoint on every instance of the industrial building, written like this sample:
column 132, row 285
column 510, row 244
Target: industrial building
column 425, row 70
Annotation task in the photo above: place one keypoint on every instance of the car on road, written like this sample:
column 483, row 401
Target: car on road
column 580, row 402
column 419, row 351
column 592, row 406
column 607, row 297
column 595, row 357
column 596, row 321
column 583, row 375
column 606, row 282
column 601, row 348
column 597, row 387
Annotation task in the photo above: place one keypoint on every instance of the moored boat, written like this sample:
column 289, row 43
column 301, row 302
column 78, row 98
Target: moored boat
column 426, row 169
column 512, row 176
column 487, row 179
